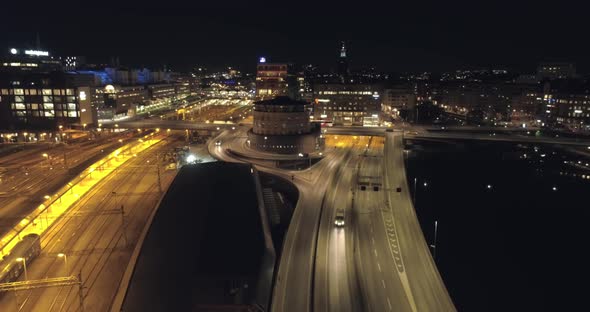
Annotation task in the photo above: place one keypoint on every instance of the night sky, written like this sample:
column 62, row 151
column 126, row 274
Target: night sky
column 433, row 36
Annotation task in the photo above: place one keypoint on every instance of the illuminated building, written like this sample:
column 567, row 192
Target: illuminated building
column 271, row 79
column 28, row 61
column 73, row 62
column 347, row 104
column 161, row 92
column 281, row 125
column 398, row 100
column 39, row 101
column 116, row 101
column 566, row 104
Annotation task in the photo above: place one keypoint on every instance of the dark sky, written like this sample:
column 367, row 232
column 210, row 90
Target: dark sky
column 415, row 36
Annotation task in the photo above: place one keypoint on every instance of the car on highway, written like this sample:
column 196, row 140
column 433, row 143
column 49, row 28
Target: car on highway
column 218, row 143
column 339, row 220
column 398, row 189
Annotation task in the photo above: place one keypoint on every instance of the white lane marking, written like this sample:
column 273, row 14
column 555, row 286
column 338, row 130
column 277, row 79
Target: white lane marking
column 379, row 266
column 375, row 250
column 383, row 283
column 390, row 228
column 373, row 239
column 389, row 304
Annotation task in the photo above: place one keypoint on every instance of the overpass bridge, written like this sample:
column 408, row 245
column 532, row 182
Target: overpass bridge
column 516, row 135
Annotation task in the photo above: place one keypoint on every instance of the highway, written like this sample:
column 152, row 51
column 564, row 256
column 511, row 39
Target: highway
column 379, row 261
column 294, row 285
column 97, row 236
column 336, row 286
column 416, row 283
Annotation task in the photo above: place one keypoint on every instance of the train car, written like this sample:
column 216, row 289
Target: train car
column 28, row 248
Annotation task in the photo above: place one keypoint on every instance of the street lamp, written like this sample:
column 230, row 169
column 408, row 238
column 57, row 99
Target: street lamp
column 65, row 257
column 415, row 181
column 434, row 244
column 24, row 261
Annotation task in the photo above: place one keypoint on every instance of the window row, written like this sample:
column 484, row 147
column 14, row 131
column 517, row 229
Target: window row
column 37, row 91
column 46, row 106
column 45, row 114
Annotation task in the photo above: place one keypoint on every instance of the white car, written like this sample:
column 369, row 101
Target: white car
column 339, row 220
column 218, row 143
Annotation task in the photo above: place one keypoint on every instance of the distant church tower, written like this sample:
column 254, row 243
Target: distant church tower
column 343, row 63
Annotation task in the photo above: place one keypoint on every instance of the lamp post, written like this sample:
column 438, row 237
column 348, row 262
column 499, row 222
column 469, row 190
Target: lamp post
column 415, row 190
column 48, row 158
column 434, row 244
column 65, row 257
column 24, row 261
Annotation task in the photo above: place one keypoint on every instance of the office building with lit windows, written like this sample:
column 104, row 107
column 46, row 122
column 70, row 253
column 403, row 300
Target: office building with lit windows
column 566, row 105
column 117, row 101
column 23, row 60
column 44, row 101
column 347, row 104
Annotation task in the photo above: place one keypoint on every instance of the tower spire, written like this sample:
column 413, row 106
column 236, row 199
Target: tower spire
column 343, row 50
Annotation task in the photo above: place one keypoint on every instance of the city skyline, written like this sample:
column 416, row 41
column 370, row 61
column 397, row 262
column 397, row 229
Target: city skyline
column 391, row 38
column 294, row 157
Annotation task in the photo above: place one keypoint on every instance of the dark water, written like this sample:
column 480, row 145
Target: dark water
column 517, row 246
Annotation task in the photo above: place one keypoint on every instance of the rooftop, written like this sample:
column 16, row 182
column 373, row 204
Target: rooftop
column 206, row 232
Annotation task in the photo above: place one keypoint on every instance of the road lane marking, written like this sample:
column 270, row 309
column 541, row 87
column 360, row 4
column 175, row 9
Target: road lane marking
column 396, row 252
column 379, row 266
column 389, row 304
column 375, row 250
column 383, row 283
column 373, row 239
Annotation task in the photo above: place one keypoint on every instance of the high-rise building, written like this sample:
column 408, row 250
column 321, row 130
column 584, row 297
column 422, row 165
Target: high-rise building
column 271, row 79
